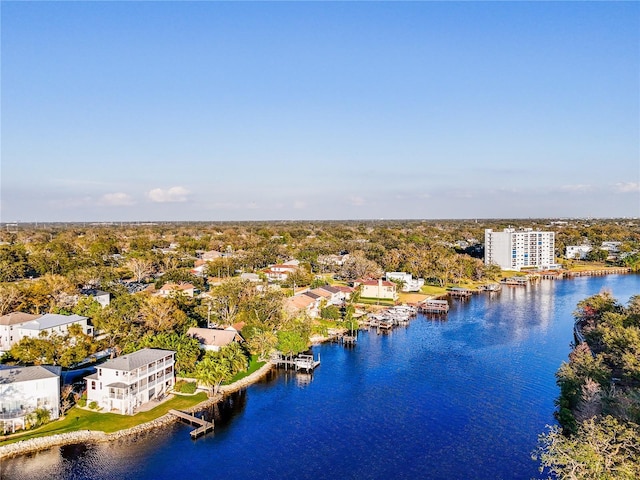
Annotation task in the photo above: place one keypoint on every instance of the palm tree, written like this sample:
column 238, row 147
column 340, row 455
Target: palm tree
column 212, row 372
column 235, row 358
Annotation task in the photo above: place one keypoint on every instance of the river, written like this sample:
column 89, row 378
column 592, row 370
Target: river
column 459, row 398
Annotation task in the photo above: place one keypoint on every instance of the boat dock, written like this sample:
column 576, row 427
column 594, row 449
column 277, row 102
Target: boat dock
column 458, row 292
column 300, row 362
column 204, row 426
column 491, row 287
column 434, row 306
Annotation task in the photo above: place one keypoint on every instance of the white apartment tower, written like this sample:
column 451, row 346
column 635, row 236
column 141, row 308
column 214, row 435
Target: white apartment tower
column 514, row 249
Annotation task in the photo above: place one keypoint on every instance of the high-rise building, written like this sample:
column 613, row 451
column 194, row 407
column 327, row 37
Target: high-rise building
column 514, row 249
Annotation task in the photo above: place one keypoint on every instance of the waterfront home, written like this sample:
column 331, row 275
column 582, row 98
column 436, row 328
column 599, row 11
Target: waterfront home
column 214, row 339
column 53, row 324
column 337, row 295
column 26, row 389
column 302, row 303
column 577, row 252
column 409, row 284
column 124, row 383
column 9, row 324
column 378, row 289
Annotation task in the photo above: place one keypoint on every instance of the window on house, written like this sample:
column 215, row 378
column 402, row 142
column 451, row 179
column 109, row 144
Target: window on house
column 93, row 385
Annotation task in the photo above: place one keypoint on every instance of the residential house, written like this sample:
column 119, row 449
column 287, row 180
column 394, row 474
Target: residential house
column 100, row 296
column 378, row 289
column 279, row 273
column 302, row 303
column 124, row 383
column 26, row 389
column 53, row 324
column 577, row 252
column 169, row 289
column 9, row 325
column 409, row 284
column 214, row 339
column 252, row 277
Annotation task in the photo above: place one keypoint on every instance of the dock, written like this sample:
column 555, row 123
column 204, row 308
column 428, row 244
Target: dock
column 203, row 428
column 458, row 292
column 434, row 306
column 301, row 362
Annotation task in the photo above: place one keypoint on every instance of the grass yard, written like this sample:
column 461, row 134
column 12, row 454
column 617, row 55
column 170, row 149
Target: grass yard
column 254, row 365
column 80, row 419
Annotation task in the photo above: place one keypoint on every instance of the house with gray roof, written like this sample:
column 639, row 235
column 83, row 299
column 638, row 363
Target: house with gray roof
column 214, row 338
column 122, row 384
column 54, row 324
column 26, row 389
column 9, row 325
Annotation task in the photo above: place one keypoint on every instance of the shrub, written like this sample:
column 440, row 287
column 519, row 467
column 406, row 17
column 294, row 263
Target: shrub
column 93, row 405
column 188, row 387
column 82, row 401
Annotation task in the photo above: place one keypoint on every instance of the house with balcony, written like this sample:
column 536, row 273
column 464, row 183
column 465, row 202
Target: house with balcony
column 9, row 325
column 24, row 390
column 124, row 383
column 409, row 284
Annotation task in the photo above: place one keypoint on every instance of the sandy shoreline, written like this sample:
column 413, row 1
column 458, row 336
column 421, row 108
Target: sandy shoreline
column 92, row 436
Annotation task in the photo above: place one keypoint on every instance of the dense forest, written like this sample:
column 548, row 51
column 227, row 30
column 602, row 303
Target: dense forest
column 599, row 403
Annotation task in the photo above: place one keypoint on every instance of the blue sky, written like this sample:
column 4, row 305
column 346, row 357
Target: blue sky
column 319, row 110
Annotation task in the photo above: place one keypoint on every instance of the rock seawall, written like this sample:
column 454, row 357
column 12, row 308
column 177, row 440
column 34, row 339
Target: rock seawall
column 91, row 436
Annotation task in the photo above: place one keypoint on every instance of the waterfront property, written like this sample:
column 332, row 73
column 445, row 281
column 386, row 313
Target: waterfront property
column 214, row 339
column 23, row 390
column 409, row 284
column 514, row 249
column 378, row 289
column 122, row 384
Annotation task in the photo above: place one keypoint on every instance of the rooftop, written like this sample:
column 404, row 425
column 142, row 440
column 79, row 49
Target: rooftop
column 25, row 374
column 51, row 320
column 15, row 318
column 138, row 359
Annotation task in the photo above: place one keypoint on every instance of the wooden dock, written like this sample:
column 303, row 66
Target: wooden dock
column 301, row 362
column 433, row 306
column 458, row 292
column 204, row 426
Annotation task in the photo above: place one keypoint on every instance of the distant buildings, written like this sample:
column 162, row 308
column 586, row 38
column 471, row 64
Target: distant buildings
column 516, row 249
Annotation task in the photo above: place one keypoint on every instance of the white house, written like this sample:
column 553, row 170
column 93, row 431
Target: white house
column 100, row 296
column 26, row 389
column 409, row 284
column 577, row 252
column 279, row 273
column 124, row 383
column 53, row 324
column 9, row 325
column 515, row 249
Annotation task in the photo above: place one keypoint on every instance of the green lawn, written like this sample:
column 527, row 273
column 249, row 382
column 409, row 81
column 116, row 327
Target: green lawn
column 79, row 419
column 253, row 366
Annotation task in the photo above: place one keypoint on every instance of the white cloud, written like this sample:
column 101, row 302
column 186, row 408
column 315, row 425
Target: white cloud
column 626, row 187
column 171, row 195
column 117, row 199
column 578, row 188
column 299, row 204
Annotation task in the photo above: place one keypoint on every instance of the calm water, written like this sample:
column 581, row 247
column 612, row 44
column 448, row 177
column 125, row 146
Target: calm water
column 463, row 398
